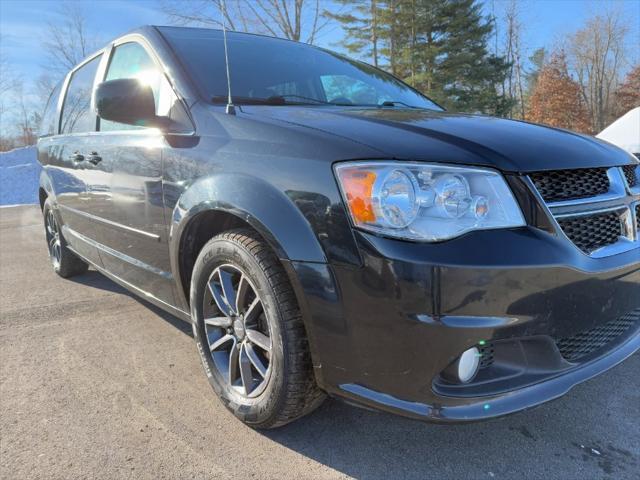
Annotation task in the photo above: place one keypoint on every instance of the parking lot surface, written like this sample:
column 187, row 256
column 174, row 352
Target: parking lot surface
column 95, row 383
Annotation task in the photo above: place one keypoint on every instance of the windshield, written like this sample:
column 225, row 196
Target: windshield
column 275, row 71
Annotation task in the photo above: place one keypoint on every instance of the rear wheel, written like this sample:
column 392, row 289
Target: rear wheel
column 65, row 263
column 249, row 332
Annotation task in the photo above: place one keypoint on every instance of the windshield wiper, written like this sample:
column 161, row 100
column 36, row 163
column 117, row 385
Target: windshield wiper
column 273, row 100
column 393, row 103
column 243, row 100
column 302, row 97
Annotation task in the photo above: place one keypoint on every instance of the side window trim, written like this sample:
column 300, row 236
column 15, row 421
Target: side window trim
column 101, row 73
column 61, row 99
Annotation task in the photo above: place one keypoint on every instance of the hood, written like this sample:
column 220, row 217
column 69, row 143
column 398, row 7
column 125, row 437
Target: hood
column 412, row 134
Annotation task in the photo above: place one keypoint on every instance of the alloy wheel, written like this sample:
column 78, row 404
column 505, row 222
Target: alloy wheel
column 53, row 239
column 238, row 331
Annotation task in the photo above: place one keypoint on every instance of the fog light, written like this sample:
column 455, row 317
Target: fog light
column 465, row 368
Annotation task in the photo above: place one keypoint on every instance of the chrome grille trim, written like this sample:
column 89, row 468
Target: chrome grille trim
column 621, row 199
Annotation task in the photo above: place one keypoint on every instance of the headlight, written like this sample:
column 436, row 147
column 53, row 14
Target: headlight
column 423, row 201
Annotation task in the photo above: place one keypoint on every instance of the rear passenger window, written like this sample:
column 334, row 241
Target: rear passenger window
column 131, row 60
column 49, row 124
column 77, row 116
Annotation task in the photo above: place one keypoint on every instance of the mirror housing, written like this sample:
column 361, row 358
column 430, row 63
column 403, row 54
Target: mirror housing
column 129, row 101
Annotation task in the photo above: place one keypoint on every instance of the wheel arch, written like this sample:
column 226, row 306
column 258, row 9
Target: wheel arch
column 218, row 203
column 45, row 188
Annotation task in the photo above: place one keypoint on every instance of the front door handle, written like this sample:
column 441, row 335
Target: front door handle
column 94, row 158
column 76, row 157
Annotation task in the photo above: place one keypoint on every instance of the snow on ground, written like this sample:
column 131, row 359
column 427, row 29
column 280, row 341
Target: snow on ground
column 19, row 174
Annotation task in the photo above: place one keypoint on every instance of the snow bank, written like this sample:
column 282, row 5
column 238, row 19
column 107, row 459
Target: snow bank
column 19, row 174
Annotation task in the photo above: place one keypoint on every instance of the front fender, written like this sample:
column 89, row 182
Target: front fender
column 269, row 211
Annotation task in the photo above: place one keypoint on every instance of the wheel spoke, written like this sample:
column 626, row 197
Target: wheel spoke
column 245, row 371
column 220, row 342
column 228, row 292
column 259, row 339
column 234, row 355
column 243, row 288
column 52, row 223
column 221, row 322
column 253, row 311
column 220, row 302
column 255, row 360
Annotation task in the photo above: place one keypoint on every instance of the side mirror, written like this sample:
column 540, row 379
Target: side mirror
column 128, row 100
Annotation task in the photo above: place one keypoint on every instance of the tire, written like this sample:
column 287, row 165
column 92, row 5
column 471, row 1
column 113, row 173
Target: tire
column 279, row 385
column 65, row 263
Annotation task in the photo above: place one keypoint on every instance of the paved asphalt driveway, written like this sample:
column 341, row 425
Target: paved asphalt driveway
column 98, row 384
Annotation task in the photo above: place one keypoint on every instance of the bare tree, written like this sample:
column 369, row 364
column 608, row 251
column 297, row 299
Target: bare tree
column 597, row 56
column 28, row 121
column 293, row 19
column 514, row 81
column 68, row 42
column 8, row 84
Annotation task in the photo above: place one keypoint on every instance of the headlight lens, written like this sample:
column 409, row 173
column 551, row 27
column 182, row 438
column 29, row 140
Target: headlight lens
column 422, row 201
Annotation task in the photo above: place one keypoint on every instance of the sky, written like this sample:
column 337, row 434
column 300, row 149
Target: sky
column 23, row 24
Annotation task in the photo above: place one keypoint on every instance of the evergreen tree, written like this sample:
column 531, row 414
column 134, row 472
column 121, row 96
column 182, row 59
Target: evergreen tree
column 440, row 47
column 537, row 61
column 467, row 73
column 361, row 27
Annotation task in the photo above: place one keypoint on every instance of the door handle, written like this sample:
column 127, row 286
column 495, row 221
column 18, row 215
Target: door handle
column 76, row 157
column 94, row 158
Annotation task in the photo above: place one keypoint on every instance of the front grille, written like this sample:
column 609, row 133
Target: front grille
column 630, row 174
column 591, row 232
column 571, row 184
column 638, row 218
column 585, row 343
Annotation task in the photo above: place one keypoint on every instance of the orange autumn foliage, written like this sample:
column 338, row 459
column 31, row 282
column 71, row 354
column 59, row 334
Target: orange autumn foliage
column 628, row 93
column 556, row 99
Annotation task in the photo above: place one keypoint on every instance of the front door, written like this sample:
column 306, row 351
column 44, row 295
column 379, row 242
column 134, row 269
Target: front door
column 125, row 191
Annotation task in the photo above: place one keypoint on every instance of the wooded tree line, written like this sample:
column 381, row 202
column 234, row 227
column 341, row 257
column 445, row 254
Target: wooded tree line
column 461, row 53
column 469, row 61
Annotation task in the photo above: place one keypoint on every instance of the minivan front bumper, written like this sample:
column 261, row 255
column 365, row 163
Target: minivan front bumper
column 382, row 334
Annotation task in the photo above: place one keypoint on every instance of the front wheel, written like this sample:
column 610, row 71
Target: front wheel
column 249, row 332
column 65, row 263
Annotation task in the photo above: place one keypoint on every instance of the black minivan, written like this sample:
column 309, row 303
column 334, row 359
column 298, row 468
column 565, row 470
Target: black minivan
column 327, row 229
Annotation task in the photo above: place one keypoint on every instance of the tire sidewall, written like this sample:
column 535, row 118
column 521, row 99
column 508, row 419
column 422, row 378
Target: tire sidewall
column 265, row 406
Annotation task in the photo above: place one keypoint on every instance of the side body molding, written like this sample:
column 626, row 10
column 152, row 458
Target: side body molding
column 269, row 211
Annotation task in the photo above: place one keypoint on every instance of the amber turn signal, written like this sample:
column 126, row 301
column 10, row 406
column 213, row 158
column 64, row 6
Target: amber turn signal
column 358, row 188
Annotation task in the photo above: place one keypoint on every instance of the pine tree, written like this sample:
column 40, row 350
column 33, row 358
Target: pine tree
column 439, row 47
column 467, row 73
column 361, row 28
column 556, row 98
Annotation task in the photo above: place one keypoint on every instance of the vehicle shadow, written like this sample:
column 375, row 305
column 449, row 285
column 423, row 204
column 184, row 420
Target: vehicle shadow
column 578, row 436
column 94, row 279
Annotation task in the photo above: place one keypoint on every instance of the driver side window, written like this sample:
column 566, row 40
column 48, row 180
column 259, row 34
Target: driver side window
column 131, row 60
